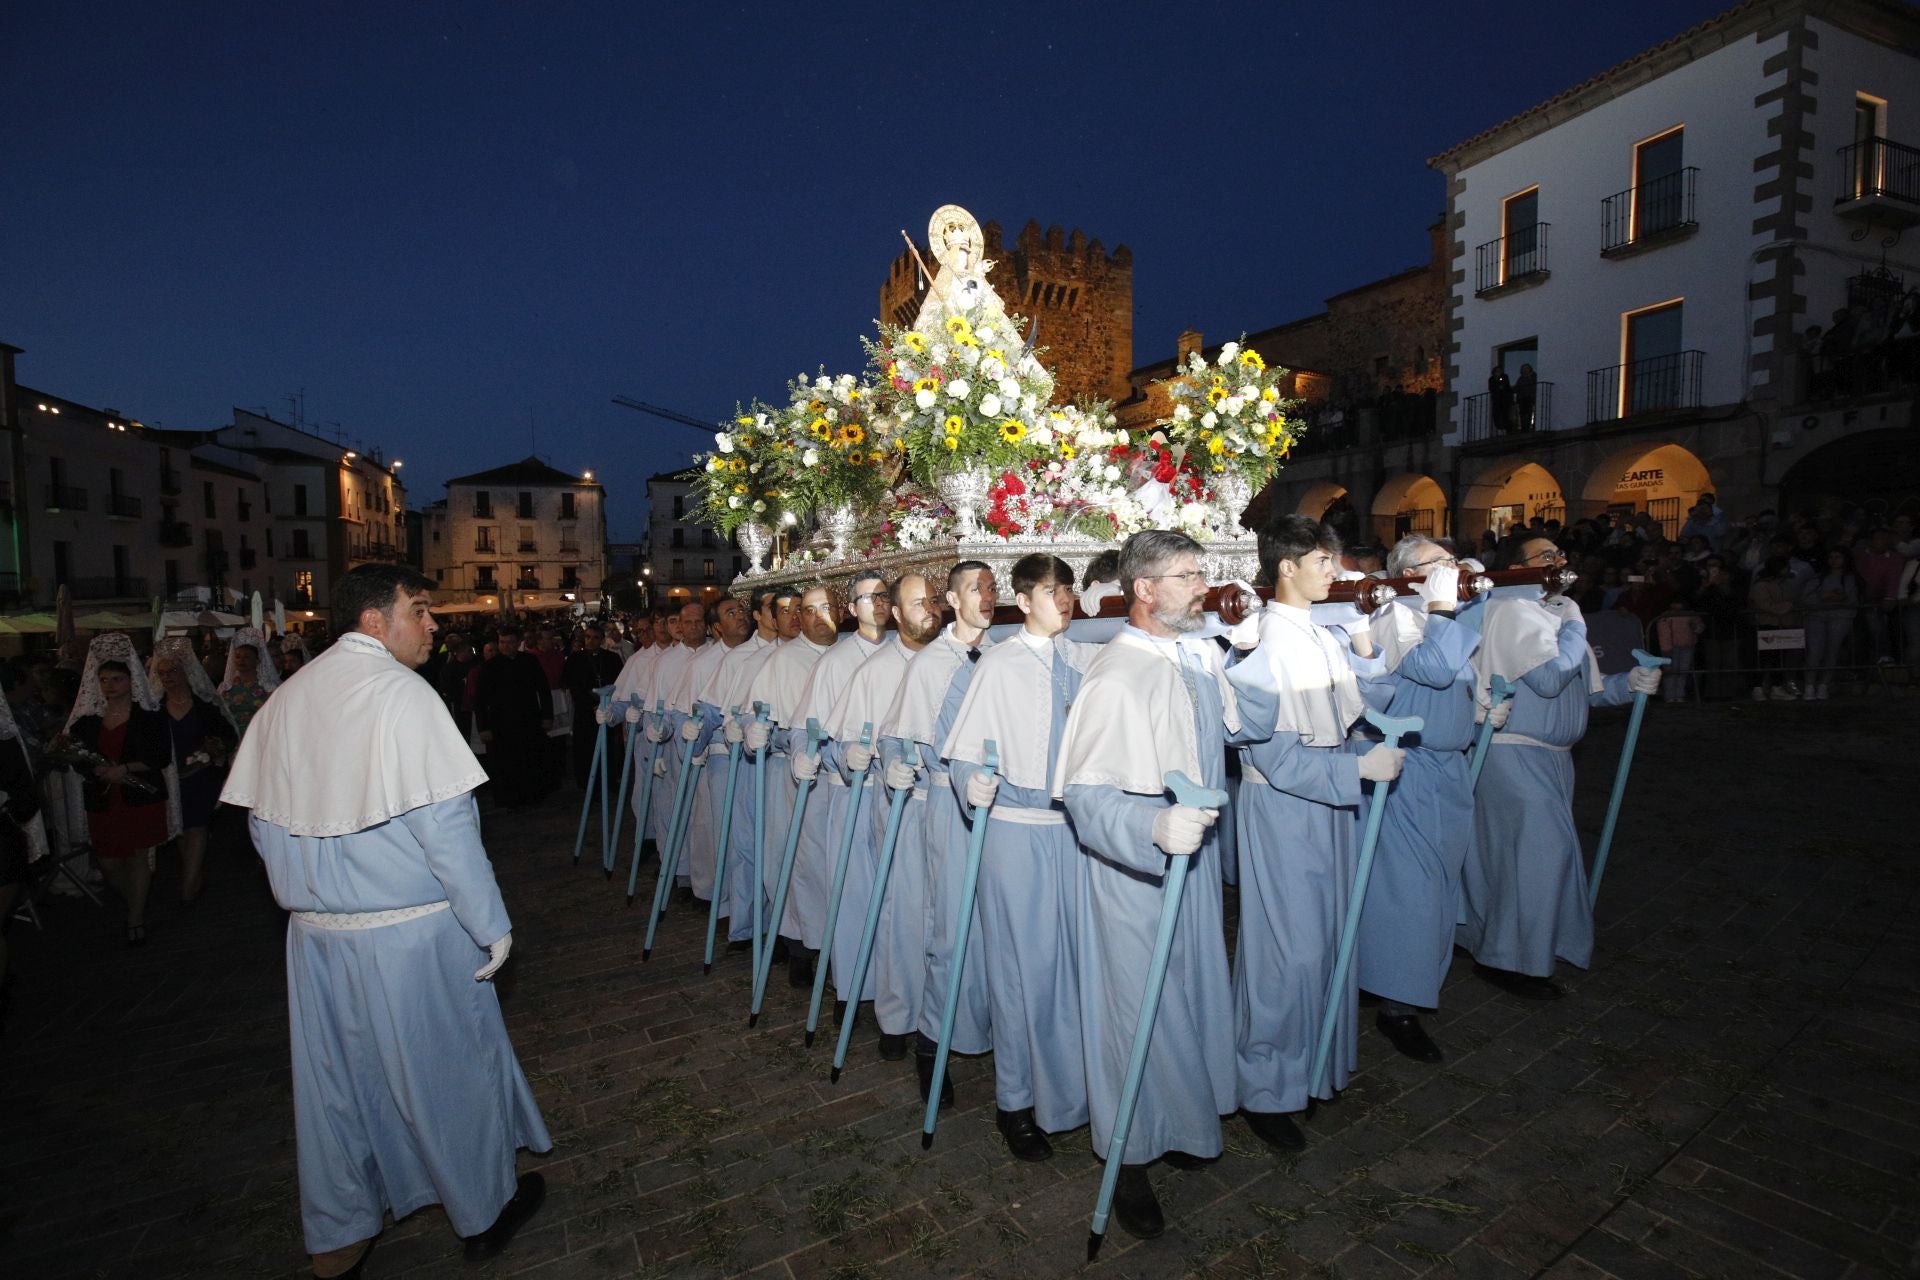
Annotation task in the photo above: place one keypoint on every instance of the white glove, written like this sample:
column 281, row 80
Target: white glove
column 1498, row 716
column 1564, row 608
column 496, row 956
column 599, row 715
column 690, row 731
column 735, row 734
column 1644, row 680
column 1440, row 589
column 1382, row 764
column 1097, row 595
column 901, row 776
column 1350, row 575
column 805, row 766
column 757, row 735
column 859, row 757
column 633, row 714
column 981, row 789
column 1245, row 634
column 1472, row 566
column 659, row 766
column 657, row 731
column 1180, row 829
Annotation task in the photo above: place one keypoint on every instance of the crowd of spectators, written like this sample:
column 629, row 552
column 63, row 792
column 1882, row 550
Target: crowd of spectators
column 1871, row 344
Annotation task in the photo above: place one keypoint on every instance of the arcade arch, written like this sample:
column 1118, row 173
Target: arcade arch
column 1664, row 481
column 1509, row 494
column 1410, row 503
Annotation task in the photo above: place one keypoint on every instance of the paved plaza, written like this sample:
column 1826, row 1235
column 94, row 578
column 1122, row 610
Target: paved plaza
column 1731, row 1091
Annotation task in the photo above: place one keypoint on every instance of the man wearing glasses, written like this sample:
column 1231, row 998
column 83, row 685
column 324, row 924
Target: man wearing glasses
column 820, row 830
column 782, row 685
column 1524, row 882
column 1029, row 892
column 1406, row 927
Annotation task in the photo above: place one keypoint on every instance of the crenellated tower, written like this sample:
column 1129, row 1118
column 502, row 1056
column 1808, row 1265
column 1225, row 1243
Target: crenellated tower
column 1081, row 295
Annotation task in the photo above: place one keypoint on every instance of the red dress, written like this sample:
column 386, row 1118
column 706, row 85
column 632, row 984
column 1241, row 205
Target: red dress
column 123, row 830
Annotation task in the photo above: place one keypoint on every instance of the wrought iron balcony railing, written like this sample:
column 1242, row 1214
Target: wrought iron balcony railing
column 1478, row 421
column 1645, row 386
column 1517, row 258
column 120, row 504
column 1657, row 210
column 64, row 497
column 1879, row 169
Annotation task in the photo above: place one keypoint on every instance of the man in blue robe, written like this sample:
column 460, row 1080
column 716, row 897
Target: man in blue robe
column 1149, row 704
column 1406, row 928
column 1525, row 885
column 1299, row 788
column 406, row 1089
column 1029, row 889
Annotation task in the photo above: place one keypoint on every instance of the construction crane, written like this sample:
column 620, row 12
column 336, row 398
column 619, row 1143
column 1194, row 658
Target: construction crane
column 671, row 415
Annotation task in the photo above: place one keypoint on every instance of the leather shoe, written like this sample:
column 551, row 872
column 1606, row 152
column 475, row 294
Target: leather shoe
column 1135, row 1207
column 1524, row 985
column 1023, row 1137
column 1181, row 1160
column 780, row 949
column 1276, row 1129
column 1408, row 1036
column 527, row 1197
column 923, row 1068
column 893, row 1048
column 741, row 944
column 799, row 967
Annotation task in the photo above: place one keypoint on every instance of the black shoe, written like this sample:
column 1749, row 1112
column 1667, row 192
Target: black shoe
column 1023, row 1136
column 744, row 944
column 1368, row 1000
column 1135, row 1207
column 648, row 849
column 799, row 969
column 1408, row 1037
column 923, row 1067
column 892, row 1048
column 1182, row 1160
column 839, row 1012
column 683, row 893
column 359, row 1267
column 527, row 1197
column 1276, row 1129
column 1524, row 985
column 780, row 950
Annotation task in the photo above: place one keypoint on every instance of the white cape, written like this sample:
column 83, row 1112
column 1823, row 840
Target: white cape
column 1517, row 635
column 924, row 688
column 1132, row 724
column 351, row 740
column 1010, row 700
column 1307, row 670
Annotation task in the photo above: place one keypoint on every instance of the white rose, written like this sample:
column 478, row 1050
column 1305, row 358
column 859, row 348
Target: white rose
column 1029, row 404
column 1228, row 352
column 1210, row 420
column 810, row 458
column 938, row 354
column 969, row 356
column 821, row 384
column 923, row 399
column 734, row 502
column 724, row 440
column 990, row 405
column 713, row 464
column 1008, row 389
column 1111, row 474
column 1043, row 435
column 984, row 332
column 990, row 367
column 760, row 421
column 1181, row 413
column 1232, row 406
column 759, row 506
column 958, row 388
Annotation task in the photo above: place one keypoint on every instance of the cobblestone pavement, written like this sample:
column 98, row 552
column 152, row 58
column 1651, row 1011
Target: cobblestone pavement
column 1730, row 1091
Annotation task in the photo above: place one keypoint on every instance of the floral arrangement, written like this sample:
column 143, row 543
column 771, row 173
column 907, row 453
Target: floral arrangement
column 969, row 396
column 64, row 753
column 744, row 478
column 1229, row 416
column 838, row 455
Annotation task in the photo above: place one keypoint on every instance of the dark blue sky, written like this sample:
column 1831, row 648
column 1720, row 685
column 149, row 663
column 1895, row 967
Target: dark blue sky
column 447, row 222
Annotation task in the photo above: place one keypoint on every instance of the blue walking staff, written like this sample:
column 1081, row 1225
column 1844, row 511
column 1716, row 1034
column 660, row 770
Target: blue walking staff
column 646, row 793
column 847, row 828
column 1395, row 728
column 633, row 706
column 1644, row 659
column 1173, row 888
column 1499, row 688
column 963, row 923
column 683, row 794
column 596, row 778
column 759, row 834
column 896, row 805
column 784, row 880
column 720, row 854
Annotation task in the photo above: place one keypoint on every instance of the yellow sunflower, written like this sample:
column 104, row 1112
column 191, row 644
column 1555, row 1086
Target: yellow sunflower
column 744, row 420
column 820, row 428
column 1216, row 394
column 739, row 488
column 1013, row 430
column 1270, row 394
column 857, row 458
column 954, row 426
column 926, row 384
column 736, row 465
column 1216, row 446
column 851, row 433
column 958, row 327
column 914, row 342
column 966, row 340
column 1068, row 453
column 1250, row 359
column 953, row 442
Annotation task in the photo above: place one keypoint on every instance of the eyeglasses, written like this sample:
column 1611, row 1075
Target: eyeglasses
column 1552, row 555
column 1428, row 566
column 1191, row 576
column 865, row 596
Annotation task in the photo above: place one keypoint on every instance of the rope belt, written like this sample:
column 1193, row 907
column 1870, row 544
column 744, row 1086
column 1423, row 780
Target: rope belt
column 341, row 921
column 1028, row 817
column 1250, row 774
column 1522, row 740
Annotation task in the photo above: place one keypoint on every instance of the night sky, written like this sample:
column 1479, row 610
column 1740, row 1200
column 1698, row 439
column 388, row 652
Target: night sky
column 457, row 227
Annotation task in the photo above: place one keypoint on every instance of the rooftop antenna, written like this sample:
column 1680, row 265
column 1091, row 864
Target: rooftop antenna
column 297, row 403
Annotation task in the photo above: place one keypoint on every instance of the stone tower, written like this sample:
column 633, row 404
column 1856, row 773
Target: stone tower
column 1081, row 296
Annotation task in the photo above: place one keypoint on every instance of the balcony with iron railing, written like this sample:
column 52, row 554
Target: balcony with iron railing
column 1879, row 182
column 65, row 497
column 1479, row 421
column 1514, row 261
column 1654, row 213
column 1653, row 385
column 176, row 533
column 527, row 548
column 169, row 482
column 123, row 506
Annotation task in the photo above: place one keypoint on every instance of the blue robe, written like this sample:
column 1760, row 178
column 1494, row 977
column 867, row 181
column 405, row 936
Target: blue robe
column 1028, row 908
column 1525, row 883
column 406, row 1090
column 900, row 947
column 1407, row 924
column 1190, row 1079
column 702, row 847
column 856, row 889
column 946, row 839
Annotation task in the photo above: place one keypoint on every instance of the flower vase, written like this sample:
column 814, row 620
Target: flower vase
column 838, row 525
column 964, row 492
column 756, row 540
column 1233, row 492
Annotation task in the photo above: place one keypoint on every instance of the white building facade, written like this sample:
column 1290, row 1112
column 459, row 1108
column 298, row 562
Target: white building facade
column 526, row 535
